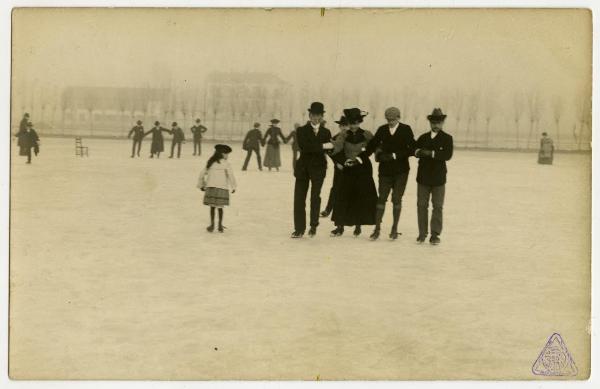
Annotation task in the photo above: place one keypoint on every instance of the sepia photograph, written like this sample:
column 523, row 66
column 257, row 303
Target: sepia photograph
column 316, row 194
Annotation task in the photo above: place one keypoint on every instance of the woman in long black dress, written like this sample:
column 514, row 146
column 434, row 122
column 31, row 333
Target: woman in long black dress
column 273, row 153
column 356, row 198
column 158, row 142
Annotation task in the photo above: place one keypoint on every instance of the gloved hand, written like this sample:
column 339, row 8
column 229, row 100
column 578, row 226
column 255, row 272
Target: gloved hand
column 339, row 166
column 233, row 191
column 422, row 153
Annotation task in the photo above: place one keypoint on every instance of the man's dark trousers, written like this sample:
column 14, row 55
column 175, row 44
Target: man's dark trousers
column 198, row 146
column 178, row 148
column 249, row 154
column 315, row 179
column 436, row 193
column 395, row 184
column 138, row 143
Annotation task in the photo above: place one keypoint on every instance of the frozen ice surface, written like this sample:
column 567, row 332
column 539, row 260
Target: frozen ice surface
column 113, row 274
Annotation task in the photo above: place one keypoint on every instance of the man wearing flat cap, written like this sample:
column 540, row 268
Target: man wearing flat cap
column 138, row 134
column 178, row 139
column 433, row 149
column 251, row 144
column 314, row 140
column 393, row 143
column 197, row 132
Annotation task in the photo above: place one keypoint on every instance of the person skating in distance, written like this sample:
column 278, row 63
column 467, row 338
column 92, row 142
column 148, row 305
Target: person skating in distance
column 138, row 134
column 158, row 141
column 197, row 132
column 216, row 180
column 178, row 139
column 433, row 149
column 546, row 153
column 313, row 141
column 28, row 139
column 393, row 143
column 251, row 144
column 273, row 152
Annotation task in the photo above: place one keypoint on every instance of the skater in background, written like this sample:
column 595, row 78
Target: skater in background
column 546, row 153
column 356, row 196
column 251, row 144
column 313, row 141
column 197, row 132
column 337, row 171
column 433, row 149
column 158, row 142
column 28, row 139
column 138, row 134
column 178, row 139
column 273, row 152
column 292, row 137
column 393, row 143
column 216, row 180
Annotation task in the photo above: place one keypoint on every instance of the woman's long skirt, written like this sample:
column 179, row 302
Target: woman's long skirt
column 272, row 156
column 356, row 198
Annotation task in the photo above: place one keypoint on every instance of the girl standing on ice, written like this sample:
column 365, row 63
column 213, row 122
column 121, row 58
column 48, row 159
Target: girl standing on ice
column 216, row 180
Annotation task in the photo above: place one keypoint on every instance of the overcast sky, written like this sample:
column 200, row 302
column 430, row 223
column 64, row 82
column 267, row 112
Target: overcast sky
column 429, row 51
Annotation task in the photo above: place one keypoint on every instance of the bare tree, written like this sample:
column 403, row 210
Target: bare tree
column 557, row 106
column 518, row 104
column 534, row 106
column 472, row 110
column 585, row 117
column 488, row 112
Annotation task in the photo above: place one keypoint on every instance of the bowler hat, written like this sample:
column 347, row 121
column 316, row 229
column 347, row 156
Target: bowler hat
column 436, row 115
column 342, row 120
column 354, row 115
column 223, row 149
column 157, row 123
column 174, row 124
column 317, row 108
column 274, row 121
column 256, row 124
column 139, row 122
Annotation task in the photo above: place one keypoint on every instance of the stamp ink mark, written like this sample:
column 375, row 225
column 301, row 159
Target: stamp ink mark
column 555, row 359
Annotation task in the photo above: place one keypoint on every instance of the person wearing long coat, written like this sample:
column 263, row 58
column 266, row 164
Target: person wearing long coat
column 546, row 153
column 27, row 140
column 158, row 142
column 356, row 199
column 294, row 139
column 271, row 139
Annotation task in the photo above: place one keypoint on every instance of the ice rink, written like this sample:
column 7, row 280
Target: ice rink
column 113, row 274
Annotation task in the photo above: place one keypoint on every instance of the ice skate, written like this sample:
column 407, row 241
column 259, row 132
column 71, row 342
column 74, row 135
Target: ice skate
column 394, row 234
column 434, row 240
column 375, row 234
column 210, row 228
column 339, row 231
column 297, row 234
column 222, row 228
column 357, row 231
column 325, row 213
column 421, row 239
column 312, row 232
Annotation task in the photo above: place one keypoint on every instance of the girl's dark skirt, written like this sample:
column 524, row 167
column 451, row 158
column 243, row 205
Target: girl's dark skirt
column 216, row 197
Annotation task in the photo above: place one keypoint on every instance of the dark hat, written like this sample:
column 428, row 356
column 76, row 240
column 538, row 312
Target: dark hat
column 157, row 123
column 223, row 149
column 256, row 124
column 174, row 124
column 544, row 133
column 436, row 115
column 26, row 114
column 197, row 120
column 317, row 108
column 342, row 120
column 274, row 121
column 139, row 122
column 354, row 115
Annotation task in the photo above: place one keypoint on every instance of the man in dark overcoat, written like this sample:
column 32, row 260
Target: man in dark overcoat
column 138, row 134
column 433, row 149
column 178, row 139
column 27, row 140
column 197, row 132
column 251, row 144
column 393, row 143
column 314, row 140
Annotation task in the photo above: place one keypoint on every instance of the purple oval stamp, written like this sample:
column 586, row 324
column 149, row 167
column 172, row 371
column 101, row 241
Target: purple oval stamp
column 555, row 359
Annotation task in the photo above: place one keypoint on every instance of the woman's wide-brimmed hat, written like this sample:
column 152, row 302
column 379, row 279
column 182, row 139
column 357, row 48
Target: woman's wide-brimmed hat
column 342, row 120
column 223, row 149
column 274, row 121
column 354, row 115
column 436, row 115
column 317, row 107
